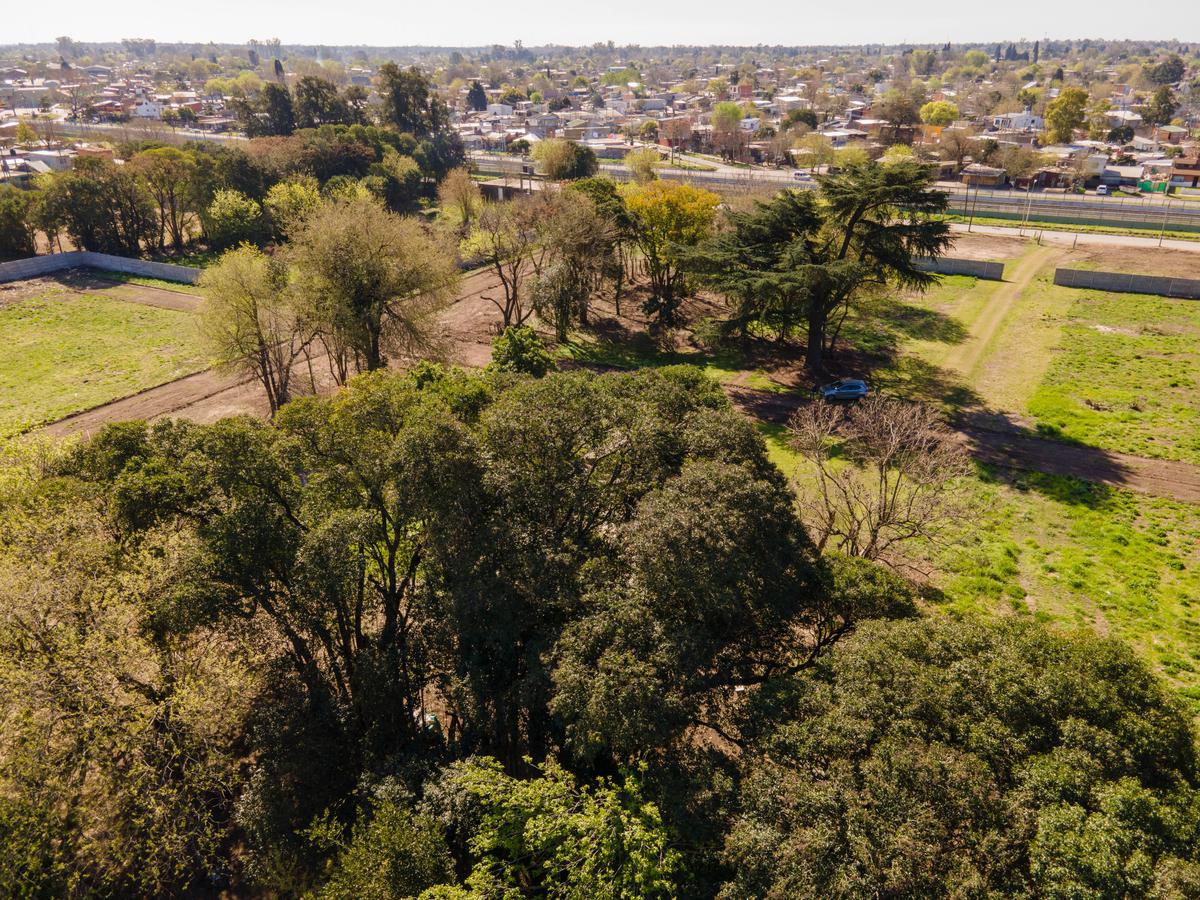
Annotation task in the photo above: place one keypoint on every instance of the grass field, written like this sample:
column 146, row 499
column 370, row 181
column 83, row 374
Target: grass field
column 1114, row 371
column 1124, row 375
column 65, row 352
column 150, row 282
column 1068, row 552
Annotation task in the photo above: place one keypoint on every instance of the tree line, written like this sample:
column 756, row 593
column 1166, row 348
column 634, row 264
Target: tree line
column 165, row 197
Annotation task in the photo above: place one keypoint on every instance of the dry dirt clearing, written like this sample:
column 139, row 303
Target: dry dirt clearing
column 464, row 333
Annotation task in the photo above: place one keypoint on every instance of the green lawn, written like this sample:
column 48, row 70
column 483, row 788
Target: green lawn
column 725, row 365
column 65, row 352
column 1124, row 375
column 126, row 278
column 1071, row 553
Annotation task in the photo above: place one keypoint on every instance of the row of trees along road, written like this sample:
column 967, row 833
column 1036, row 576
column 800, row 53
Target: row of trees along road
column 467, row 636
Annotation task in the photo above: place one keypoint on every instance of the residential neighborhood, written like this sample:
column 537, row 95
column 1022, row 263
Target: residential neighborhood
column 974, row 108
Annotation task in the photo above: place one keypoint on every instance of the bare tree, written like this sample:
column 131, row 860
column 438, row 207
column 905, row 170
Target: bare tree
column 507, row 237
column 885, row 472
column 250, row 321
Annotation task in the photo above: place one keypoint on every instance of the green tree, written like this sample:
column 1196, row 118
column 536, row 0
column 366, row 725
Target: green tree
column 250, row 322
column 898, row 108
column 17, row 231
column 392, row 854
column 288, row 203
column 1097, row 119
column 1169, row 71
column 563, row 160
column 803, row 255
column 898, row 153
column 233, row 218
column 102, row 206
column 372, row 281
column 939, row 112
column 519, row 349
column 409, row 101
column 643, row 163
column 1065, row 113
column 727, row 134
column 397, row 180
column 270, row 113
column 665, row 216
column 1160, row 109
column 932, row 758
column 169, row 174
column 477, row 97
column 460, row 198
column 317, row 102
column 548, row 836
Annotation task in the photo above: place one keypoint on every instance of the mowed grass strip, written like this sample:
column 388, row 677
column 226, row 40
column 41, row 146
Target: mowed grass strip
column 64, row 352
column 1124, row 376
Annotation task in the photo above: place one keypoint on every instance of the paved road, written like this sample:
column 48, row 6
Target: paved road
column 1081, row 238
column 1151, row 212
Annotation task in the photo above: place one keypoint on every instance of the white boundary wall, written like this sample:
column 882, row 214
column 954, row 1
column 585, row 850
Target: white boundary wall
column 35, row 266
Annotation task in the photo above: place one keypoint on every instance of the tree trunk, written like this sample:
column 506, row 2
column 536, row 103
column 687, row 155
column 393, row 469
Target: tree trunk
column 814, row 355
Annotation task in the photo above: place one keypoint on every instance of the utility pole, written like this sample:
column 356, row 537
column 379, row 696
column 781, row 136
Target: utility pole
column 1166, row 210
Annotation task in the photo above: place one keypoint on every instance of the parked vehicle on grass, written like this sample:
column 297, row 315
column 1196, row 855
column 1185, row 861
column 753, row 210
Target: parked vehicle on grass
column 844, row 390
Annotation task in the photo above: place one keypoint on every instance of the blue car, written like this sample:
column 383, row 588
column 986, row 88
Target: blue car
column 845, row 389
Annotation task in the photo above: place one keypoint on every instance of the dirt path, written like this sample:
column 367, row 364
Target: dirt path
column 1014, row 449
column 969, row 357
column 464, row 333
column 86, row 282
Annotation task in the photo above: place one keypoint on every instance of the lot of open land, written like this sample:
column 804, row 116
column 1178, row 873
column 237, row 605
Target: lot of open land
column 1079, row 405
column 71, row 344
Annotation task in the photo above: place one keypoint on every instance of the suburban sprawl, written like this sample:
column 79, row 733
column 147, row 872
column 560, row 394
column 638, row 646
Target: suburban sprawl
column 482, row 473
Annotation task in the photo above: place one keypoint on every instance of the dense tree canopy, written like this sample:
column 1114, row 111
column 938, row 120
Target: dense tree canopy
column 951, row 758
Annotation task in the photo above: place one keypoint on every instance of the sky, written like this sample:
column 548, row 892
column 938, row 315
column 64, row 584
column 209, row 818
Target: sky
column 483, row 22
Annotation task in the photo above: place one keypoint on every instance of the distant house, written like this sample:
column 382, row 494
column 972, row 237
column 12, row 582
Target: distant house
column 983, row 176
column 543, row 125
column 1022, row 121
column 148, row 109
column 499, row 109
column 1170, row 134
column 1185, row 172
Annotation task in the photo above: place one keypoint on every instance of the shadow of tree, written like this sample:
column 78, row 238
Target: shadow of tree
column 1074, row 474
column 914, row 321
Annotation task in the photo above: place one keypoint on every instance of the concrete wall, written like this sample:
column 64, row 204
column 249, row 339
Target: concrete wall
column 1187, row 288
column 993, row 271
column 35, row 266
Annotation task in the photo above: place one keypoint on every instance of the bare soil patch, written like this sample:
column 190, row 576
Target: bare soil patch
column 987, row 246
column 1139, row 260
column 15, row 291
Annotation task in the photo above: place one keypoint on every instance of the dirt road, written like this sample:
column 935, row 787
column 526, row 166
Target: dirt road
column 464, row 337
column 1013, row 448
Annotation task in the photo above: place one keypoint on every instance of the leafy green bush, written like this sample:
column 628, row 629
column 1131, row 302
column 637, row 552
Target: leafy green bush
column 519, row 349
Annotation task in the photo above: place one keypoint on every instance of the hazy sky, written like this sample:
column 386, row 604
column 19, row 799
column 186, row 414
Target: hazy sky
column 476, row 22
